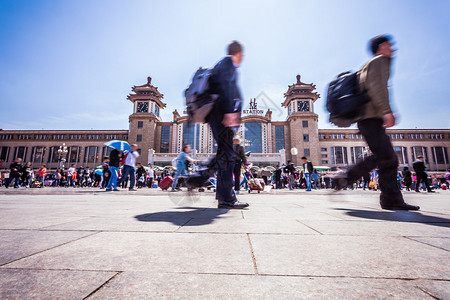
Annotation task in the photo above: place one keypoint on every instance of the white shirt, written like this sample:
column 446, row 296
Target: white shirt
column 150, row 173
column 305, row 168
column 70, row 171
column 131, row 158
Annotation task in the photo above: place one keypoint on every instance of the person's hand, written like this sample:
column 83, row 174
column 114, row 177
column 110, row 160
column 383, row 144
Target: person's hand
column 388, row 120
column 232, row 119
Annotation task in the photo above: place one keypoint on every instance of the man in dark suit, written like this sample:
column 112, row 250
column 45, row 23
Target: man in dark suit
column 372, row 123
column 419, row 168
column 225, row 115
column 308, row 169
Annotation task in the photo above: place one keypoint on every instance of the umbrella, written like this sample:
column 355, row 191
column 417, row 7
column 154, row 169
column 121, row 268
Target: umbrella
column 269, row 168
column 119, row 145
column 99, row 172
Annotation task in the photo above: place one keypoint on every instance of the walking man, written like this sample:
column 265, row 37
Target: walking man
column 114, row 162
column 128, row 167
column 307, row 171
column 419, row 168
column 372, row 123
column 226, row 115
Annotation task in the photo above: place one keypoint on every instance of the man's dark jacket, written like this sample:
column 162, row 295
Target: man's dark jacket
column 239, row 155
column 419, row 166
column 114, row 159
column 15, row 166
column 223, row 83
column 310, row 167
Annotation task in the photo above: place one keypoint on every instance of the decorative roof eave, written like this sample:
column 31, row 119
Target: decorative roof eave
column 291, row 92
column 147, row 87
column 312, row 96
column 133, row 98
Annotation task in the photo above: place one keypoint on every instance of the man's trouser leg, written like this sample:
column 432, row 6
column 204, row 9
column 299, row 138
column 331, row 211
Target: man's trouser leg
column 237, row 176
column 308, row 181
column 384, row 157
column 112, row 184
column 224, row 160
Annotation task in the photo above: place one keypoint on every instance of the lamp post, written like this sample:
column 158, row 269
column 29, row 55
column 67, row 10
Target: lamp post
column 62, row 151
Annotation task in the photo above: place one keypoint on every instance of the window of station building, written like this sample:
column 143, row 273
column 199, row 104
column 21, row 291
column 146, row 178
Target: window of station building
column 94, row 137
column 440, row 155
column 58, row 136
column 324, row 155
column 106, row 151
column 41, row 136
column 253, row 137
column 419, row 150
column 401, row 155
column 125, row 137
column 139, row 151
column 323, row 149
column 339, row 155
column 24, row 137
column 6, row 137
column 188, row 135
column 355, row 136
column 325, row 161
column 4, row 153
column 416, row 136
column 436, row 136
column 20, row 152
column 279, row 138
column 53, row 155
column 165, row 139
column 322, row 136
column 397, row 136
column 73, row 154
column 91, row 154
column 357, row 154
column 37, row 154
column 140, row 124
column 139, row 138
column 76, row 137
column 306, row 152
column 110, row 137
column 306, row 137
column 305, row 124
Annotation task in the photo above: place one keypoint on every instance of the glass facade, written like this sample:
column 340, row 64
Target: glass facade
column 91, row 154
column 165, row 138
column 20, row 152
column 279, row 138
column 401, row 154
column 74, row 154
column 357, row 154
column 419, row 150
column 37, row 154
column 53, row 154
column 105, row 152
column 253, row 137
column 440, row 155
column 188, row 135
column 4, row 153
column 339, row 155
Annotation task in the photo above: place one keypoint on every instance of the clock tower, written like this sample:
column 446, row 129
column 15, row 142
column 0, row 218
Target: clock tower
column 147, row 104
column 303, row 122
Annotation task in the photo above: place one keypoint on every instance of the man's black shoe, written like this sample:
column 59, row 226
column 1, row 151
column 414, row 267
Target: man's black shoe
column 417, row 191
column 431, row 191
column 404, row 206
column 232, row 205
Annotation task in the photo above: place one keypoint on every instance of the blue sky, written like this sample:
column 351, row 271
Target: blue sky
column 71, row 64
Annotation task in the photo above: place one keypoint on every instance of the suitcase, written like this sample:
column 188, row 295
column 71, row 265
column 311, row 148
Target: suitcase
column 166, row 183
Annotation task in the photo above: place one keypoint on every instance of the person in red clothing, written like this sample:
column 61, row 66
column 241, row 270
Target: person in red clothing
column 41, row 174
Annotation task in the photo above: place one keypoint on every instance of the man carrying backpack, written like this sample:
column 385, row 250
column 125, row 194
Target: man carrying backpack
column 225, row 115
column 373, row 120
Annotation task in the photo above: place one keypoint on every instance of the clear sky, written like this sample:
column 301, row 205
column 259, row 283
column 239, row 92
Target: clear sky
column 71, row 64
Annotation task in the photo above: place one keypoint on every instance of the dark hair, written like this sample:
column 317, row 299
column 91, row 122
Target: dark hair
column 405, row 169
column 234, row 47
column 375, row 42
column 304, row 157
column 185, row 146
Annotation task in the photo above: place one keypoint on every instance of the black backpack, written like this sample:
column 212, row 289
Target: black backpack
column 345, row 99
column 199, row 100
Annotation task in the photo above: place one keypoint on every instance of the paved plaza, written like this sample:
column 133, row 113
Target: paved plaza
column 90, row 244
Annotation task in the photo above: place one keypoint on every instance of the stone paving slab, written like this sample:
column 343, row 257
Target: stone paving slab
column 50, row 284
column 16, row 244
column 351, row 256
column 140, row 285
column 153, row 252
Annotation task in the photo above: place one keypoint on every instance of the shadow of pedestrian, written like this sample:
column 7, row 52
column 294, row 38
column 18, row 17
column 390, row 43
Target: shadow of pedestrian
column 202, row 216
column 399, row 216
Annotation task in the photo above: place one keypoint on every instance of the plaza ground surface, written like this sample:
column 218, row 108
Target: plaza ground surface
column 86, row 243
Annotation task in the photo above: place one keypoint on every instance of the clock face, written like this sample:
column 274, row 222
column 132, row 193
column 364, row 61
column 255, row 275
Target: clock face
column 142, row 107
column 303, row 106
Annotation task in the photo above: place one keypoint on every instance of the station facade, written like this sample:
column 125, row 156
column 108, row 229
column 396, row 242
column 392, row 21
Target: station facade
column 271, row 142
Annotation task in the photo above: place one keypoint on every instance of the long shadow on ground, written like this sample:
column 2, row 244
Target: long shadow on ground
column 202, row 216
column 400, row 216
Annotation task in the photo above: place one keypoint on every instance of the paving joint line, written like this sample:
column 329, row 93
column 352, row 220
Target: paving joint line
column 105, row 283
column 412, row 239
column 51, row 248
column 255, row 266
column 428, row 293
column 310, row 227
